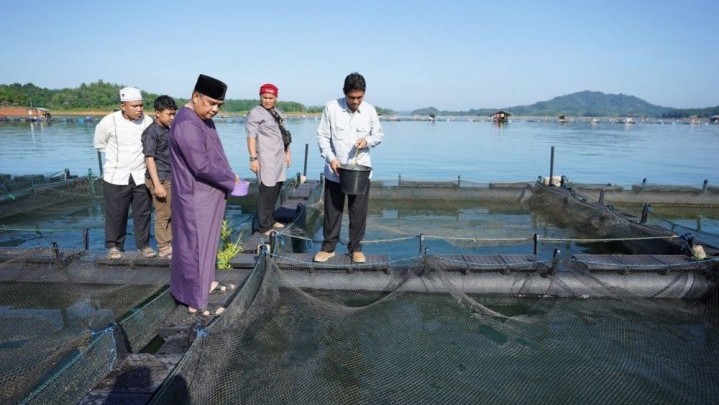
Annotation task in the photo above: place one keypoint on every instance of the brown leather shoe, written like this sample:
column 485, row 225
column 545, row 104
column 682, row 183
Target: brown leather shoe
column 358, row 257
column 322, row 257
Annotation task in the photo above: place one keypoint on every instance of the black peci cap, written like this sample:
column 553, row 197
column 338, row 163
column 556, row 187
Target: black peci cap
column 211, row 87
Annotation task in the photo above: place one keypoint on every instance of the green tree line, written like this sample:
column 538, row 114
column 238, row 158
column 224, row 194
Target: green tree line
column 101, row 96
column 104, row 96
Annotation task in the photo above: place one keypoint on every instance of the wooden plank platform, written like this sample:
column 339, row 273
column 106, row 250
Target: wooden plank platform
column 637, row 262
column 511, row 185
column 658, row 188
column 476, row 263
column 341, row 261
column 288, row 210
column 134, row 381
column 428, row 184
column 36, row 256
column 131, row 259
column 597, row 187
column 304, row 190
column 455, row 263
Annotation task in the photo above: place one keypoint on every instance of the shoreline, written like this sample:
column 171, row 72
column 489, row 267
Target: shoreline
column 405, row 117
column 222, row 114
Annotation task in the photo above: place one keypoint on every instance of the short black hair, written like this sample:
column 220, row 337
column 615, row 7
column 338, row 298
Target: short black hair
column 165, row 103
column 354, row 81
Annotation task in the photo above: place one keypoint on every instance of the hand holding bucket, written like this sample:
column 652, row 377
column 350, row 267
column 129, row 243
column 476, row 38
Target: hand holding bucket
column 354, row 178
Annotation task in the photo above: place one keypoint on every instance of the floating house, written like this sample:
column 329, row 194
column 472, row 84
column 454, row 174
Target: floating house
column 630, row 120
column 500, row 116
column 25, row 113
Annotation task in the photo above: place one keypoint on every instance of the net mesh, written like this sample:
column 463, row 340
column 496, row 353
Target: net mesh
column 547, row 298
column 60, row 325
column 292, row 344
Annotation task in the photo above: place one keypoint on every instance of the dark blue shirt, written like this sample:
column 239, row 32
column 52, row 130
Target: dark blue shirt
column 155, row 143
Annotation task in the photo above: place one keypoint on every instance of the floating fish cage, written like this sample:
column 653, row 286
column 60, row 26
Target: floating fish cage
column 571, row 301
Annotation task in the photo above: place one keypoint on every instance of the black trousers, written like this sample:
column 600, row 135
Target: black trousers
column 118, row 200
column 334, row 207
column 266, row 201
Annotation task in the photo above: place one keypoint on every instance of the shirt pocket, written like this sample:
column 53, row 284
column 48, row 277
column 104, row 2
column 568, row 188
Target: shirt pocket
column 362, row 131
column 339, row 132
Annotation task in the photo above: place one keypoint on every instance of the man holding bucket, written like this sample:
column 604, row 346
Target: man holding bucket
column 348, row 128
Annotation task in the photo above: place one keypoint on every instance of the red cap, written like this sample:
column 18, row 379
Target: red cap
column 268, row 88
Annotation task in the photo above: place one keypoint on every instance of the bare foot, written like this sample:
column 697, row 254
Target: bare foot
column 217, row 312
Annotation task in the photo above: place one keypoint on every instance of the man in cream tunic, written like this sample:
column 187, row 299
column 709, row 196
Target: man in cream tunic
column 348, row 128
column 119, row 135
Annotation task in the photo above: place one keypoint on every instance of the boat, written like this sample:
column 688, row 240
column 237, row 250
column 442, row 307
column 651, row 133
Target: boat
column 500, row 117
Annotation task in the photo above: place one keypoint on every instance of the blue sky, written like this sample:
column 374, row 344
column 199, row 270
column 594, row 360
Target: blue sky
column 453, row 55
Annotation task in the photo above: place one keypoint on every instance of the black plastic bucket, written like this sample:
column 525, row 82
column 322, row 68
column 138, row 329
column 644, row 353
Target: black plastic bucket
column 354, row 179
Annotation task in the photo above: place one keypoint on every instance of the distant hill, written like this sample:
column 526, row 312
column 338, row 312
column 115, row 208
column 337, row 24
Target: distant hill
column 592, row 104
column 584, row 104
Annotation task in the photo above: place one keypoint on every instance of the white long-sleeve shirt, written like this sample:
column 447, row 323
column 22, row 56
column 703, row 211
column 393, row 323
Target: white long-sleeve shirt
column 121, row 140
column 340, row 128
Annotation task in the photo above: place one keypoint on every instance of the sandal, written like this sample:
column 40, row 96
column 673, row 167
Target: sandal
column 217, row 287
column 213, row 311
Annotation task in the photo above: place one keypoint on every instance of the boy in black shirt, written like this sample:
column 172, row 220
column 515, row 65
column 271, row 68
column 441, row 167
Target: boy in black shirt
column 156, row 147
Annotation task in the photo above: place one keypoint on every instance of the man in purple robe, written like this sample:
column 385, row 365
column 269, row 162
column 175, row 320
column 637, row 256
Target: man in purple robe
column 201, row 179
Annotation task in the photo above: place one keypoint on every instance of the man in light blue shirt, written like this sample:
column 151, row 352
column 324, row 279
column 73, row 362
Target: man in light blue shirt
column 348, row 128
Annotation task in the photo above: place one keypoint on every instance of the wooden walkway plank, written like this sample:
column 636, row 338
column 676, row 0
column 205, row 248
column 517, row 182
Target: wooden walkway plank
column 341, row 261
column 637, row 262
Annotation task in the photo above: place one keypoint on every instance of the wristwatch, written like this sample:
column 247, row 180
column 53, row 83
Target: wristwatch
column 253, row 158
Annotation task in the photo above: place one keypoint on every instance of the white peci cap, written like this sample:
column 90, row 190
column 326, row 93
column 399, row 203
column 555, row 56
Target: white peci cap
column 130, row 94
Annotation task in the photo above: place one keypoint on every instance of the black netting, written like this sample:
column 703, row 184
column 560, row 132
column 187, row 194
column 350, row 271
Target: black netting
column 419, row 338
column 529, row 294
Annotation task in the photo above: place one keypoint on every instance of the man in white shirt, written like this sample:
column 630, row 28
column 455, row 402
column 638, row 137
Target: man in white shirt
column 119, row 135
column 348, row 128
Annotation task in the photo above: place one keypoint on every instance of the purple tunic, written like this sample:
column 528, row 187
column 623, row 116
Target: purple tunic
column 201, row 179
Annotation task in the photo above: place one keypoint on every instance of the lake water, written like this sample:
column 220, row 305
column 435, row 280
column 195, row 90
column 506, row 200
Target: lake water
column 428, row 346
column 479, row 151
